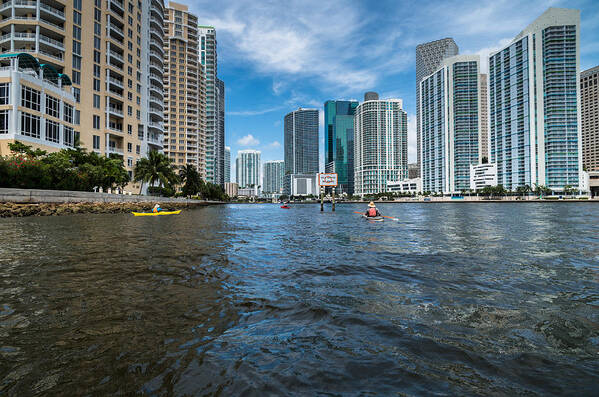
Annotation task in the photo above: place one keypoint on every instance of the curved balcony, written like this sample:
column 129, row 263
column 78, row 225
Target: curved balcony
column 156, row 56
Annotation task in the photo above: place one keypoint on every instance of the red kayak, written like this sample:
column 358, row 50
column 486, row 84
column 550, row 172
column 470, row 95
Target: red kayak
column 285, row 206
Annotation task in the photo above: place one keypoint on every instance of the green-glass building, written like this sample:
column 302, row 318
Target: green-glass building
column 339, row 142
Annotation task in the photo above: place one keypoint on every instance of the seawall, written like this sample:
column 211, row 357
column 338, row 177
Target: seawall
column 34, row 202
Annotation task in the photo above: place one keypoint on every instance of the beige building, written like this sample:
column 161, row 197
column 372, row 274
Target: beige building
column 231, row 189
column 484, row 118
column 589, row 95
column 185, row 130
column 112, row 50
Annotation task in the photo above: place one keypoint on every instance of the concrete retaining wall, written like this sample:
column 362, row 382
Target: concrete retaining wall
column 8, row 195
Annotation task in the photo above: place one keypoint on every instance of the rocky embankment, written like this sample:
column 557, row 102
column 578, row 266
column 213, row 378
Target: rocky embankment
column 50, row 209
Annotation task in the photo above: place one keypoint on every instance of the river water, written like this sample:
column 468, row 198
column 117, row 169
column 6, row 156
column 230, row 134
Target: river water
column 452, row 299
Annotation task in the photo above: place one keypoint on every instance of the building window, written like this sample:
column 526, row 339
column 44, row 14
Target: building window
column 96, row 143
column 30, row 98
column 97, row 15
column 129, row 129
column 97, row 101
column 68, row 113
column 69, row 136
column 129, row 111
column 4, row 94
column 52, row 106
column 129, row 162
column 3, row 121
column 76, row 32
column 30, row 125
column 76, row 62
column 96, row 85
column 137, row 149
column 96, row 122
column 129, row 147
column 77, row 94
column 77, row 120
column 77, row 4
column 76, row 47
column 77, row 17
column 76, row 77
column 52, row 131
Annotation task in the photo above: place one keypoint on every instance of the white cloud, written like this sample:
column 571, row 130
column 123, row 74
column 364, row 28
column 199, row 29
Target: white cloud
column 248, row 140
column 412, row 139
column 253, row 112
column 274, row 145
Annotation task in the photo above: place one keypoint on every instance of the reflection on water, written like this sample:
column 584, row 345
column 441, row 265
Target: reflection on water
column 452, row 299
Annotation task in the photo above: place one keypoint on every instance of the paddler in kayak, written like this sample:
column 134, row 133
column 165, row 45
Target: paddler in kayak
column 156, row 208
column 372, row 211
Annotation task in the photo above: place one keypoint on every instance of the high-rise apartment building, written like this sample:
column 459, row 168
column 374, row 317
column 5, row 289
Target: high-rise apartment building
column 450, row 124
column 484, row 118
column 113, row 52
column 273, row 174
column 208, row 59
column 428, row 59
column 589, row 87
column 380, row 145
column 219, row 139
column 247, row 167
column 339, row 142
column 301, row 141
column 534, row 96
column 184, row 134
column 227, row 164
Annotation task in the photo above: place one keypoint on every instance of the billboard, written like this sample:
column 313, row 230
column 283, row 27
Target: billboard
column 329, row 179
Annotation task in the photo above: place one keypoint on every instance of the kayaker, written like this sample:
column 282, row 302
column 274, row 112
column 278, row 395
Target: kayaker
column 156, row 208
column 372, row 211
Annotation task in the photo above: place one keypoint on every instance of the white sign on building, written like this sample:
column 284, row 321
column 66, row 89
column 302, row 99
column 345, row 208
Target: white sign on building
column 482, row 175
column 328, row 179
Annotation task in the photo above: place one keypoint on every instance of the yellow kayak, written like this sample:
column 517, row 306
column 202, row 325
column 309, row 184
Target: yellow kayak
column 156, row 213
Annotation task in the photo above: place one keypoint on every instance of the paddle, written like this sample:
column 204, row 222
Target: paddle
column 390, row 217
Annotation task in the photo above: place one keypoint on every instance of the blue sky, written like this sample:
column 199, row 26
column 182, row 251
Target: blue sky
column 276, row 56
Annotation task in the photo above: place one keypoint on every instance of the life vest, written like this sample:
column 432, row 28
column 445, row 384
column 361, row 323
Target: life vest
column 371, row 211
column 154, row 209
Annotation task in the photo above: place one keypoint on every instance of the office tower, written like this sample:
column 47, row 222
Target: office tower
column 428, row 59
column 274, row 171
column 227, row 164
column 484, row 119
column 534, row 96
column 248, row 168
column 339, row 142
column 182, row 74
column 113, row 53
column 219, row 147
column 208, row 59
column 589, row 96
column 450, row 124
column 380, row 145
column 301, row 141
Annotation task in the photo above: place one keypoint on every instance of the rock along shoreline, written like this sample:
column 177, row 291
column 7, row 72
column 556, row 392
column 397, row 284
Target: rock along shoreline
column 8, row 210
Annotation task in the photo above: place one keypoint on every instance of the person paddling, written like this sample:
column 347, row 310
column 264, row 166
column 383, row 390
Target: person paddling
column 156, row 208
column 372, row 211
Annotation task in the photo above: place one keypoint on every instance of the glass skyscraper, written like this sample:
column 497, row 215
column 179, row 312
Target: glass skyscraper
column 273, row 174
column 450, row 109
column 429, row 57
column 534, row 96
column 339, row 142
column 247, row 168
column 380, row 145
column 301, row 142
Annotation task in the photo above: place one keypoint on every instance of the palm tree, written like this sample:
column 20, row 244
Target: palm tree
column 157, row 167
column 190, row 176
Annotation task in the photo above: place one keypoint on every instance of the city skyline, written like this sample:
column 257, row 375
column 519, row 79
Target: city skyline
column 275, row 88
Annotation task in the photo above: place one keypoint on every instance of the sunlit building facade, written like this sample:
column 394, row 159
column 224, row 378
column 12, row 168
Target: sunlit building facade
column 450, row 110
column 380, row 145
column 273, row 174
column 429, row 57
column 184, row 140
column 247, row 167
column 534, row 96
